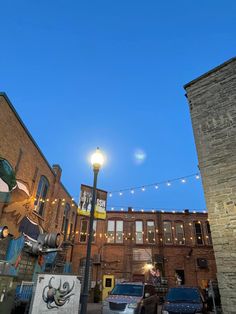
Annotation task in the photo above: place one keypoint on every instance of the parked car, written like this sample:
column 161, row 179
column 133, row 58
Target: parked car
column 131, row 298
column 184, row 300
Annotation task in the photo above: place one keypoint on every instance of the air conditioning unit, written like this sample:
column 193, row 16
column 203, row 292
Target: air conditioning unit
column 97, row 259
column 202, row 263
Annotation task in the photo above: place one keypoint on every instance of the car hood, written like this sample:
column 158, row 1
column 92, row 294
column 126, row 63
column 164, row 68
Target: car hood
column 188, row 308
column 123, row 299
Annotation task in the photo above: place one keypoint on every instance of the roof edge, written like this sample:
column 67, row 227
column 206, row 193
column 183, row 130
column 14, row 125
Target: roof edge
column 209, row 72
column 4, row 95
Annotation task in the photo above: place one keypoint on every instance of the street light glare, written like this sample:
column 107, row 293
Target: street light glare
column 97, row 159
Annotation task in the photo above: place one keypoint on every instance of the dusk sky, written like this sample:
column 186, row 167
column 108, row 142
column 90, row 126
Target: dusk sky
column 83, row 74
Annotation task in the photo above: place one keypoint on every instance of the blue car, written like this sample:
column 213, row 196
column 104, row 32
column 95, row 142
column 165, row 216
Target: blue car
column 184, row 300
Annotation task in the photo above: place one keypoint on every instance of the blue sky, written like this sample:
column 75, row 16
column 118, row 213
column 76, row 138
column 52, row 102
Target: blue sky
column 111, row 74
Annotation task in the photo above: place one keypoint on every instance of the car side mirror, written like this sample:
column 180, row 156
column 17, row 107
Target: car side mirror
column 147, row 295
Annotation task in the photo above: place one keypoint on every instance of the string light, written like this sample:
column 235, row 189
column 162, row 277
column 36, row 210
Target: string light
column 156, row 185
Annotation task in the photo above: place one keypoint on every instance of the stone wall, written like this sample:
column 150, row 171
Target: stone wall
column 212, row 102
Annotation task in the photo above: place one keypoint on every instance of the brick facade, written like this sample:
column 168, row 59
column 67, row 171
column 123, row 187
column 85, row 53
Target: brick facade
column 212, row 102
column 120, row 259
column 18, row 148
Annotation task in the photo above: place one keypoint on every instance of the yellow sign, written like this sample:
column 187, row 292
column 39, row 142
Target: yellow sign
column 85, row 203
column 108, row 283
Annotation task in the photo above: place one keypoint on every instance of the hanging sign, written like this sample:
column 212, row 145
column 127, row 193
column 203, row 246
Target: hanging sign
column 85, row 202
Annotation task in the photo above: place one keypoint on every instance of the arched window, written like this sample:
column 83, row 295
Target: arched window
column 41, row 195
column 65, row 221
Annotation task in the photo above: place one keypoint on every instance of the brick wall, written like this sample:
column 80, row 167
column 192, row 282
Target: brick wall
column 118, row 259
column 19, row 148
column 212, row 102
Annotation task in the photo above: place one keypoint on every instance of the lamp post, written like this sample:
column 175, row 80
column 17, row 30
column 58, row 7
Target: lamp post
column 97, row 161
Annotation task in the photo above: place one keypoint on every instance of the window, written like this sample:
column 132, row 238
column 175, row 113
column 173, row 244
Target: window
column 150, row 231
column 167, row 232
column 65, row 221
column 198, row 233
column 179, row 233
column 111, row 231
column 139, row 232
column 83, row 231
column 94, row 230
column 58, row 210
column 41, row 195
column 208, row 236
column 115, row 231
column 119, row 231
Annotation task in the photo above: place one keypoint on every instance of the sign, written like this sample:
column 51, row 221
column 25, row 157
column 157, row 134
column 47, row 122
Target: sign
column 142, row 255
column 56, row 294
column 85, row 203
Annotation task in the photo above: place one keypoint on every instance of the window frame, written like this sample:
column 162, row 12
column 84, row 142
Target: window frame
column 154, row 235
column 138, row 232
column 197, row 235
column 114, row 239
column 181, row 223
column 41, row 195
column 171, row 233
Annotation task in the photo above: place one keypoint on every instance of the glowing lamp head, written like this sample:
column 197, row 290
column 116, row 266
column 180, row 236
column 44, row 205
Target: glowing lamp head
column 4, row 232
column 147, row 267
column 97, row 159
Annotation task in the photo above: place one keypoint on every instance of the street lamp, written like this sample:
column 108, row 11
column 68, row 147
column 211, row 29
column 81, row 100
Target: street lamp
column 97, row 161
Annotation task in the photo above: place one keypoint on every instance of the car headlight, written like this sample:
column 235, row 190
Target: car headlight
column 132, row 305
column 105, row 303
column 165, row 312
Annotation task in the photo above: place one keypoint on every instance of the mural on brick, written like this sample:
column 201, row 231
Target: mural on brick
column 16, row 201
column 11, row 189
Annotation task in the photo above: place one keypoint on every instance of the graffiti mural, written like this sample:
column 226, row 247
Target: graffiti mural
column 17, row 203
column 11, row 189
column 57, row 297
column 56, row 294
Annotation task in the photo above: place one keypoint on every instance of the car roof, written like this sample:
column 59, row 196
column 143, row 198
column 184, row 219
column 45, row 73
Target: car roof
column 185, row 287
column 131, row 283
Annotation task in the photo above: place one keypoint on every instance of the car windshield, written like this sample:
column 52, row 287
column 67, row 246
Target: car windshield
column 129, row 289
column 183, row 295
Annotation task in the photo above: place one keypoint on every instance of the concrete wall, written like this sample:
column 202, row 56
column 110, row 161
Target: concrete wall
column 212, row 102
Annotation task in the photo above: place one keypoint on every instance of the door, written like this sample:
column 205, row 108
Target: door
column 108, row 284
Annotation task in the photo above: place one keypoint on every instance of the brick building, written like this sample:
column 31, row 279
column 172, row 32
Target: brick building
column 212, row 102
column 32, row 199
column 127, row 241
